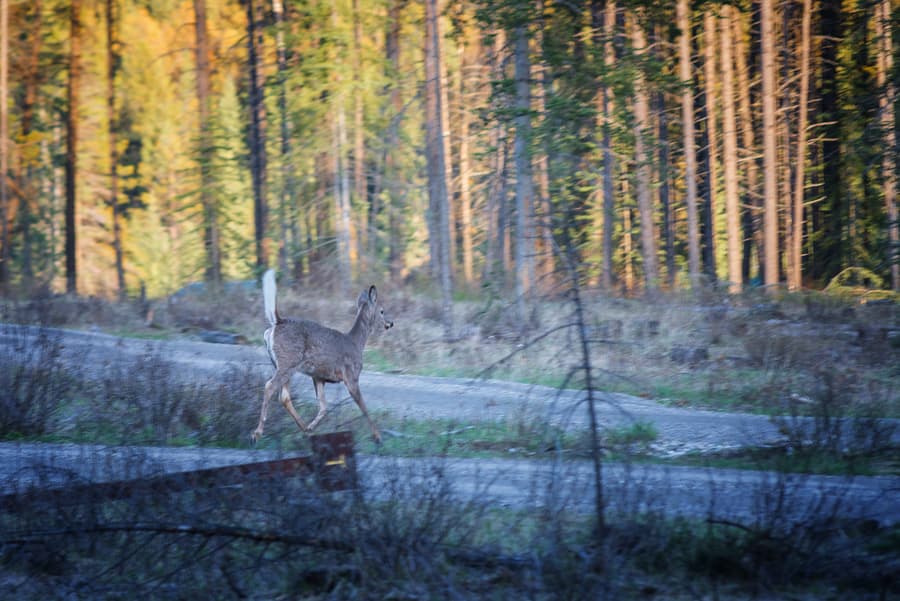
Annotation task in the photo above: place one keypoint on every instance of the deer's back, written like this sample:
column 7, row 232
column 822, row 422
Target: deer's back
column 315, row 350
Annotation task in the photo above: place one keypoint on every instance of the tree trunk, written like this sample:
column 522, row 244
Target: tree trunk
column 359, row 140
column 751, row 196
column 72, row 144
column 690, row 150
column 395, row 208
column 465, row 165
column 207, row 197
column 642, row 159
column 770, row 156
column 795, row 278
column 712, row 143
column 287, row 220
column 342, row 226
column 257, row 136
column 112, row 66
column 29, row 101
column 524, row 185
column 886, row 101
column 4, row 144
column 729, row 119
column 437, row 162
column 663, row 170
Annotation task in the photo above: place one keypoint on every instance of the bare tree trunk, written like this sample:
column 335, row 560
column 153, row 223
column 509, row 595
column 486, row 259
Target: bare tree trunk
column 732, row 201
column 72, row 144
column 749, row 160
column 437, row 161
column 690, row 147
column 712, row 141
column 770, row 155
column 886, row 102
column 524, row 185
column 609, row 159
column 4, row 144
column 207, row 198
column 29, row 101
column 342, row 226
column 288, row 243
column 795, row 278
column 395, row 210
column 359, row 140
column 465, row 166
column 112, row 64
column 663, row 169
column 258, row 158
column 642, row 158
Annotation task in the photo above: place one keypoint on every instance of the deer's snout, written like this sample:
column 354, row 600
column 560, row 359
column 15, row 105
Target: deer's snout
column 388, row 324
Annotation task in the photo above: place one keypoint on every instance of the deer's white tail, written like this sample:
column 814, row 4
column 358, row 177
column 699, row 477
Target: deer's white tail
column 269, row 292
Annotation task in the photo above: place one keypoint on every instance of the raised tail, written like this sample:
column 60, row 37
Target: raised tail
column 269, row 292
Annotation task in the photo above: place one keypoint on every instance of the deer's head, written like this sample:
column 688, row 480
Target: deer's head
column 373, row 311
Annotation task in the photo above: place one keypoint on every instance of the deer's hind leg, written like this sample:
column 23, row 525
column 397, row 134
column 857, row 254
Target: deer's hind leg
column 323, row 405
column 277, row 382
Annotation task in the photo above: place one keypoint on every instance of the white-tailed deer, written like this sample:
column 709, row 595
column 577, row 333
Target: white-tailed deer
column 322, row 353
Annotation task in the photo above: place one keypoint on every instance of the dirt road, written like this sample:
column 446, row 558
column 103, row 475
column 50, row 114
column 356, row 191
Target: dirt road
column 739, row 496
column 680, row 430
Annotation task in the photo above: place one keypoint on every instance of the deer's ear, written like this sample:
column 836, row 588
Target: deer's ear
column 373, row 294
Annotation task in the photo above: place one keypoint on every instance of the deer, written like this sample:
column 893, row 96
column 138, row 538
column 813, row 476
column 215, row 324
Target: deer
column 322, row 353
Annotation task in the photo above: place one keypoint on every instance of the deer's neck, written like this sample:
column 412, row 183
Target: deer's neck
column 359, row 333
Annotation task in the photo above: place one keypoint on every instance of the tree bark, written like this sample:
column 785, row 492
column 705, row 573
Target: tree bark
column 72, row 144
column 795, row 278
column 288, row 243
column 770, row 156
column 886, row 102
column 359, row 139
column 258, row 159
column 522, row 158
column 663, row 169
column 465, row 164
column 712, row 143
column 207, row 198
column 729, row 118
column 642, row 159
column 437, row 163
column 396, row 205
column 690, row 148
column 112, row 66
column 4, row 144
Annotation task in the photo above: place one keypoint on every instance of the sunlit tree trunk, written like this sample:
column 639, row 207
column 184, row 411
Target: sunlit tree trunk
column 690, row 151
column 438, row 191
column 712, row 142
column 886, row 101
column 29, row 102
column 749, row 161
column 112, row 60
column 287, row 220
column 642, row 158
column 341, row 188
column 257, row 136
column 729, row 119
column 395, row 208
column 665, row 204
column 770, row 156
column 465, row 163
column 72, row 144
column 4, row 144
column 359, row 139
column 522, row 158
column 795, row 277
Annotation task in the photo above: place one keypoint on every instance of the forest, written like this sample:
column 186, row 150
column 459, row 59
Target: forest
column 460, row 145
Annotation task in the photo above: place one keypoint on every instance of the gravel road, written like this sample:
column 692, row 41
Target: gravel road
column 721, row 494
column 680, row 430
column 740, row 496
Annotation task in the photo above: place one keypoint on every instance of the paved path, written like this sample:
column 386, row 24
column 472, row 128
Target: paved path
column 680, row 430
column 734, row 495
